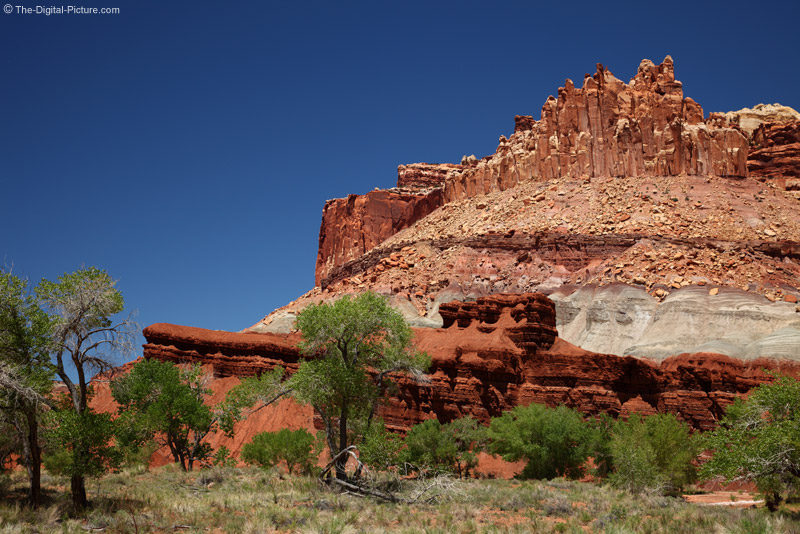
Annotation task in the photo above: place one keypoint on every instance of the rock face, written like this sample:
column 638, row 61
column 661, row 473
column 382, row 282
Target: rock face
column 352, row 226
column 228, row 353
column 749, row 119
column 609, row 128
column 616, row 184
column 496, row 353
column 626, row 320
column 775, row 153
column 421, row 177
column 605, row 129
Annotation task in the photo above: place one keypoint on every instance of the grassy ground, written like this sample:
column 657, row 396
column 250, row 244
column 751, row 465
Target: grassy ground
column 252, row 501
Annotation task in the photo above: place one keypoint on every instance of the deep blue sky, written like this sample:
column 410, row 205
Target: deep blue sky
column 188, row 147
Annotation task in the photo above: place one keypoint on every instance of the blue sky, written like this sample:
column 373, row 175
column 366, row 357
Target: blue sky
column 188, row 147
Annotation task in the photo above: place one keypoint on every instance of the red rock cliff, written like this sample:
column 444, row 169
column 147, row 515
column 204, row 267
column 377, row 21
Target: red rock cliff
column 496, row 353
column 354, row 225
column 775, row 153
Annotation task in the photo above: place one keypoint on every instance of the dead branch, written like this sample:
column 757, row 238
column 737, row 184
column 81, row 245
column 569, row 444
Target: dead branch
column 363, row 486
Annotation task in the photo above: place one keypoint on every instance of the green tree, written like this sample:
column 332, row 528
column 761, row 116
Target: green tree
column 470, row 438
column 555, row 441
column 80, row 444
column 652, row 454
column 25, row 373
column 84, row 335
column 352, row 347
column 759, row 440
column 295, row 447
column 159, row 400
column 602, row 428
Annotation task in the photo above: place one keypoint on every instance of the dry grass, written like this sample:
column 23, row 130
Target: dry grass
column 253, row 501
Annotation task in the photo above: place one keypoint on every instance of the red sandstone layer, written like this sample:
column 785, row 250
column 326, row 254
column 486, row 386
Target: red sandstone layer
column 776, row 154
column 499, row 352
column 354, row 225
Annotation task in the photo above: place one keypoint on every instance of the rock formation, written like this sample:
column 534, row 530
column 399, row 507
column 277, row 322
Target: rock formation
column 749, row 119
column 496, row 353
column 775, row 154
column 626, row 320
column 615, row 184
column 609, row 128
column 669, row 245
column 352, row 226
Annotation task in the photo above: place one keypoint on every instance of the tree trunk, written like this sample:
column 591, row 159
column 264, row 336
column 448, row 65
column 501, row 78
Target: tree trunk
column 772, row 500
column 79, row 501
column 341, row 463
column 34, row 462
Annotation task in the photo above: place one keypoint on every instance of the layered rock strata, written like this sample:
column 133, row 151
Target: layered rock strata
column 354, row 225
column 496, row 353
column 626, row 320
column 775, row 154
column 606, row 128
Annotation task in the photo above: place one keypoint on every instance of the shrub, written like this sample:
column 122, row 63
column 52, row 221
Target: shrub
column 428, row 449
column 380, row 448
column 652, row 454
column 452, row 447
column 554, row 441
column 223, row 458
column 295, row 447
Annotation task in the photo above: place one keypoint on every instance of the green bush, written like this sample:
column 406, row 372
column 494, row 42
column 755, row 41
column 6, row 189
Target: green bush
column 295, row 447
column 380, row 448
column 555, row 441
column 652, row 454
column 428, row 449
column 602, row 427
column 452, row 447
column 223, row 458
